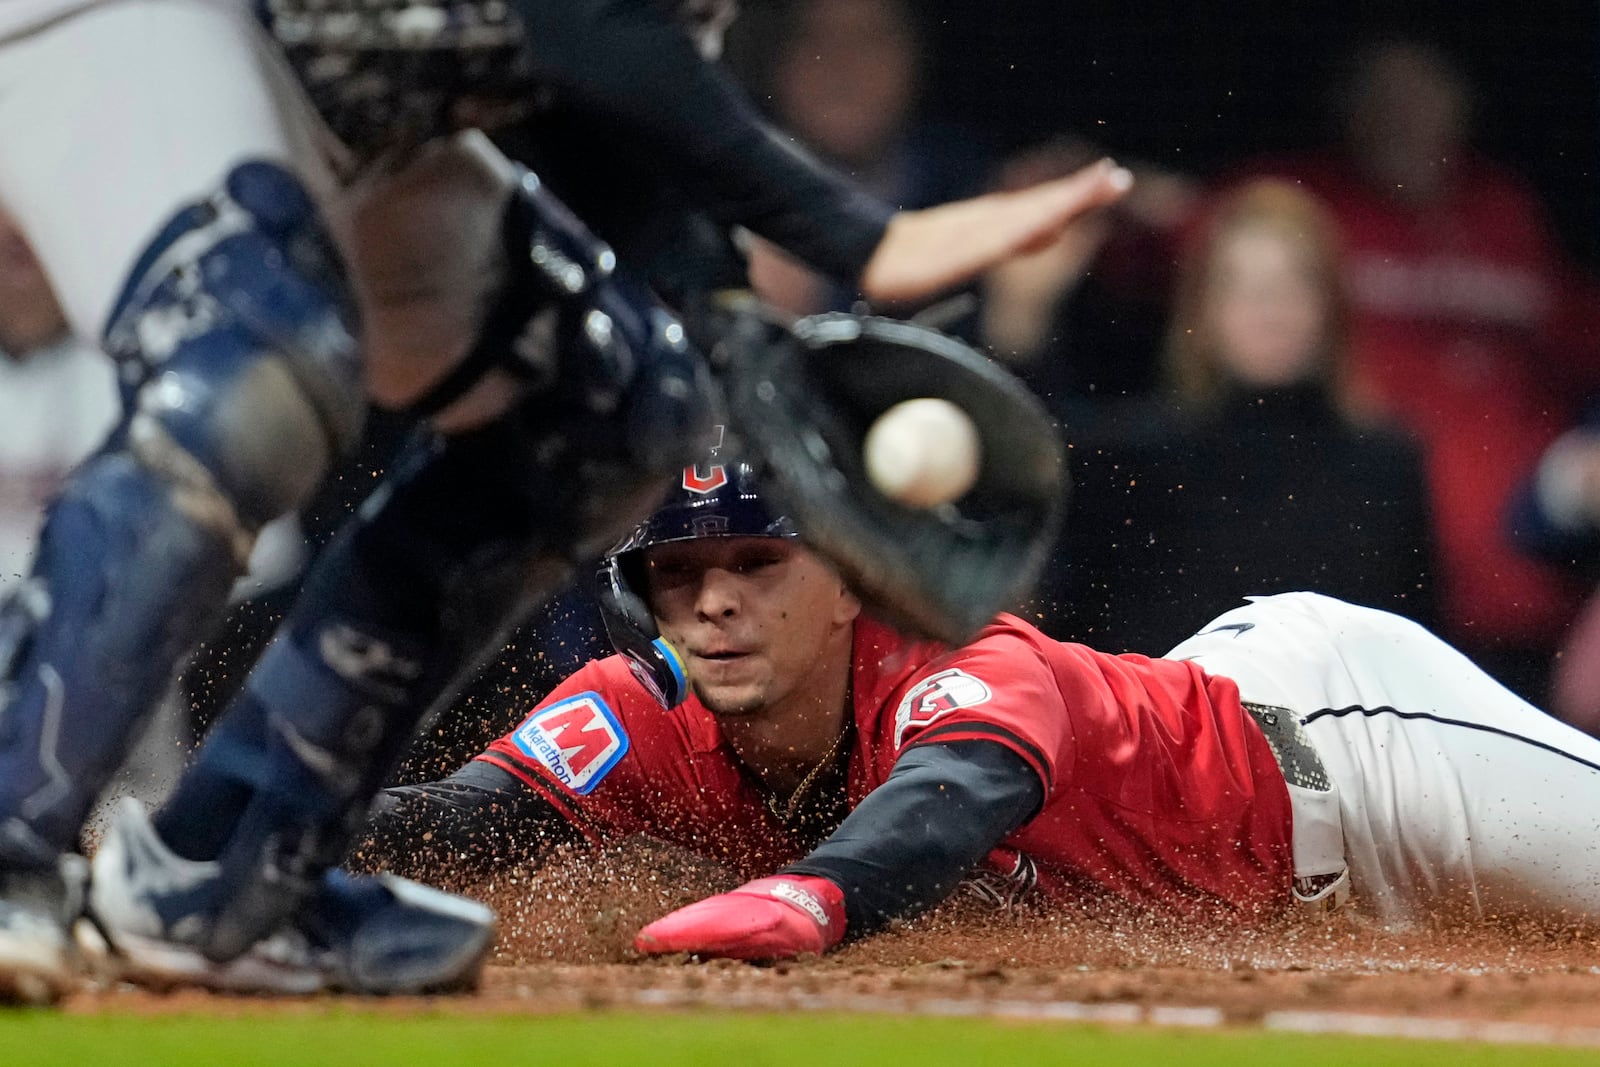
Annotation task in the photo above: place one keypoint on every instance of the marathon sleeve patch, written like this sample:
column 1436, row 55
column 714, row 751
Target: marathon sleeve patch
column 578, row 740
column 935, row 697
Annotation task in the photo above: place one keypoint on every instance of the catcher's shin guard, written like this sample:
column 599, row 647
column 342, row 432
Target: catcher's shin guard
column 466, row 535
column 801, row 398
column 239, row 368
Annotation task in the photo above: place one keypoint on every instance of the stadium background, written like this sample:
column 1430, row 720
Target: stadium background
column 1195, row 86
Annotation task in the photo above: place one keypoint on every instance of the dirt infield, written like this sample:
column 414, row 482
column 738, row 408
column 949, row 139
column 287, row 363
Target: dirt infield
column 565, row 946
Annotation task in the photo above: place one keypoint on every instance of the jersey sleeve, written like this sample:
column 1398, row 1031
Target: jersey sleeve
column 573, row 743
column 999, row 688
column 629, row 66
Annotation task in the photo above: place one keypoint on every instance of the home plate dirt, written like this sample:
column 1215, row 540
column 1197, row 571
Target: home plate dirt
column 567, row 928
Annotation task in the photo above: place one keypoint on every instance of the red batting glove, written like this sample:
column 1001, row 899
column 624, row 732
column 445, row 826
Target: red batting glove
column 767, row 919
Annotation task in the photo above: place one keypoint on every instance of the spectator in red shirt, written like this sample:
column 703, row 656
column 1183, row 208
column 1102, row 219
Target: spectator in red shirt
column 1467, row 326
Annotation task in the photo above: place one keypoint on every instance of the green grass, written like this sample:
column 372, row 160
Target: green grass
column 355, row 1038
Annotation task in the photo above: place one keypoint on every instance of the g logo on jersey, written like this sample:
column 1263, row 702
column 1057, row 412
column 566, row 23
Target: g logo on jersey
column 935, row 697
column 577, row 740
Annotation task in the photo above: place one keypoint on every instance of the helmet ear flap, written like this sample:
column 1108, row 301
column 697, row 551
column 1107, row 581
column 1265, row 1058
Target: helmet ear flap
column 632, row 631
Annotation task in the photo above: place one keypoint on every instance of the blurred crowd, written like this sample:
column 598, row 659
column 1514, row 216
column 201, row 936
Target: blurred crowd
column 1366, row 370
column 1358, row 369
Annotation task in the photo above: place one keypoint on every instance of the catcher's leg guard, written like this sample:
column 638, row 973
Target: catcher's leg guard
column 465, row 536
column 240, row 376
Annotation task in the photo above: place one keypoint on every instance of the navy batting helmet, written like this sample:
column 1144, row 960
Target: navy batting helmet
column 716, row 498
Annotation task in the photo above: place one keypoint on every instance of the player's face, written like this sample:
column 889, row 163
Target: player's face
column 753, row 616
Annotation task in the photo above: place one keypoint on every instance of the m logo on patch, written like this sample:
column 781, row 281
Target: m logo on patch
column 935, row 697
column 577, row 740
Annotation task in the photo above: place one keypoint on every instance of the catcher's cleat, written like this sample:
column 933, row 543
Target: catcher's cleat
column 38, row 907
column 375, row 936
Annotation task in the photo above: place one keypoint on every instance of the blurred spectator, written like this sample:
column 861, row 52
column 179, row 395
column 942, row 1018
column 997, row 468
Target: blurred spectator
column 1467, row 328
column 1555, row 516
column 1248, row 477
column 1082, row 321
column 1555, row 513
column 58, row 400
column 844, row 78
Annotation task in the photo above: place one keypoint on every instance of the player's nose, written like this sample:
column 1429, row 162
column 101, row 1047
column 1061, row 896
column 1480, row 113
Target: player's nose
column 718, row 594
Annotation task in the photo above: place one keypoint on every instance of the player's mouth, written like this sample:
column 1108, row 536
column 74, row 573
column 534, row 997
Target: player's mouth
column 720, row 655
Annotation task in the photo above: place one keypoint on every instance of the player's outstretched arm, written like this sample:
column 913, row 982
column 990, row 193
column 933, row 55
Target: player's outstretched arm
column 925, row 252
column 635, row 73
column 902, row 850
column 469, row 822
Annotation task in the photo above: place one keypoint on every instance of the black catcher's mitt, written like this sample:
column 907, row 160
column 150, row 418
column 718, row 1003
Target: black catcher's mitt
column 801, row 396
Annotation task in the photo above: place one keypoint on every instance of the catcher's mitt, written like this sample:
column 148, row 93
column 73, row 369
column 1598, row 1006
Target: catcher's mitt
column 801, row 396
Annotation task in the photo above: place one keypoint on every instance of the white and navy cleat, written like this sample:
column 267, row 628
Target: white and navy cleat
column 39, row 961
column 374, row 935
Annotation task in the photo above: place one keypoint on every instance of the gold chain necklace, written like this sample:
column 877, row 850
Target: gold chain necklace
column 785, row 812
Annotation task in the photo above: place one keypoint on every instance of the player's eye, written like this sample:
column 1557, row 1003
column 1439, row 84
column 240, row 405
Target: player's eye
column 669, row 571
column 756, row 563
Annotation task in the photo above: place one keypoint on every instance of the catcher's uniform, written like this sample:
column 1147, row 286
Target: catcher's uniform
column 1159, row 789
column 152, row 102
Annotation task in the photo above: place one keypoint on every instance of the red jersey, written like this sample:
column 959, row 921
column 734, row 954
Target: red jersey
column 1159, row 788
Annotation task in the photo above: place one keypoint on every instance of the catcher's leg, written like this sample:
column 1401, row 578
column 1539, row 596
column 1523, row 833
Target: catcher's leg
column 466, row 534
column 235, row 328
column 239, row 378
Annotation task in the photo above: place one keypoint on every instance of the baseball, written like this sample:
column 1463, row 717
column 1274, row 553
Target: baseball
column 923, row 452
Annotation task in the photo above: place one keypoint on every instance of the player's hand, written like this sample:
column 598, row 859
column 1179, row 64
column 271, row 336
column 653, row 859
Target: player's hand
column 926, row 252
column 767, row 919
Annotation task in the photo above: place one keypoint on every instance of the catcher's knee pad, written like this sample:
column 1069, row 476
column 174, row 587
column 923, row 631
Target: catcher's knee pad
column 237, row 341
column 240, row 378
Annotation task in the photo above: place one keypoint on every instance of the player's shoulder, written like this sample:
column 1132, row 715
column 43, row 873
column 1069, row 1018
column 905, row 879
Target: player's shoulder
column 596, row 722
column 886, row 654
column 608, row 676
column 1001, row 684
column 1010, row 636
column 1006, row 650
column 611, row 682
